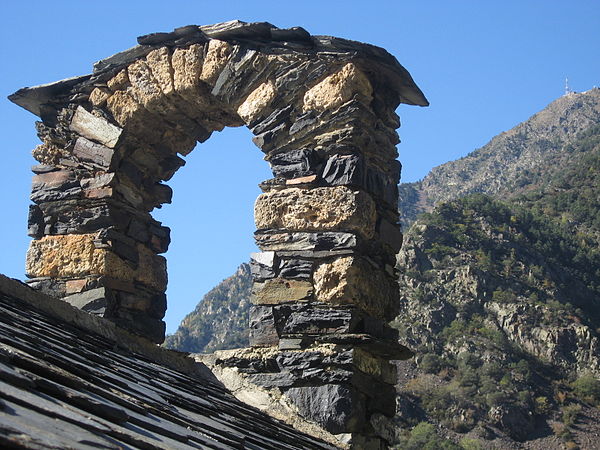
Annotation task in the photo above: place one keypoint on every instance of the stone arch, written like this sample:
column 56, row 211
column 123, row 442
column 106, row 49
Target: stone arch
column 322, row 110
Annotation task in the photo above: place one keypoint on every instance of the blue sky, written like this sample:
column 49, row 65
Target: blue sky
column 484, row 66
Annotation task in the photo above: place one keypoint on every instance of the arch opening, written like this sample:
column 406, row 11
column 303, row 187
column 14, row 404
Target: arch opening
column 213, row 198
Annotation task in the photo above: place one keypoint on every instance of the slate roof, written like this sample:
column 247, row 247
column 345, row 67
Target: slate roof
column 69, row 380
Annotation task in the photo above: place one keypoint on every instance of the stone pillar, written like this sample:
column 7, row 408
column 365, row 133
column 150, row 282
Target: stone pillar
column 324, row 281
column 92, row 246
column 322, row 111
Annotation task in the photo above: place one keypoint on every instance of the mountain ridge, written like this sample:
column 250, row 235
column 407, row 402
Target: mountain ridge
column 510, row 161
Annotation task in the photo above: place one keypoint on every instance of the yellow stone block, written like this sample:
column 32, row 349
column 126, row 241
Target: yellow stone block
column 353, row 281
column 257, row 101
column 337, row 89
column 326, row 208
column 280, row 290
column 75, row 256
column 216, row 57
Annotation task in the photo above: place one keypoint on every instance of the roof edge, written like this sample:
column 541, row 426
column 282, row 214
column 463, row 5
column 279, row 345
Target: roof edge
column 62, row 310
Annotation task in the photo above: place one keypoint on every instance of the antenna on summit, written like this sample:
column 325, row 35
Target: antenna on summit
column 567, row 88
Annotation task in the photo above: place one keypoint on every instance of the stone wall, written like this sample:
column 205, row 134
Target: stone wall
column 322, row 111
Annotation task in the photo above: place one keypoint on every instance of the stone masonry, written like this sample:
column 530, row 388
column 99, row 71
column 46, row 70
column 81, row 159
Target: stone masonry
column 322, row 111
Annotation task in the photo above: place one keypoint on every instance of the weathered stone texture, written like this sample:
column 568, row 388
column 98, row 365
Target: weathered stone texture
column 64, row 256
column 215, row 59
column 337, row 89
column 95, row 128
column 76, row 255
column 280, row 290
column 353, row 281
column 316, row 209
column 257, row 101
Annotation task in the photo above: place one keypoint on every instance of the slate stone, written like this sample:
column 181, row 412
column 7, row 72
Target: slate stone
column 276, row 118
column 297, row 377
column 92, row 153
column 15, row 378
column 42, row 192
column 138, row 230
column 271, row 380
column 153, row 305
column 295, row 34
column 301, row 241
column 94, row 301
column 293, row 343
column 380, row 396
column 294, row 163
column 121, row 58
column 170, row 165
column 262, row 331
column 298, row 360
column 263, row 266
column 99, row 181
column 95, row 128
column 35, row 222
column 119, row 243
column 236, row 29
column 159, row 194
column 140, row 323
column 160, row 238
column 43, row 168
column 382, row 186
column 344, row 170
column 335, row 407
column 296, row 269
column 49, row 286
column 131, row 171
column 156, row 38
column 265, row 140
column 315, row 255
column 390, row 234
column 305, row 120
column 77, row 216
column 312, row 319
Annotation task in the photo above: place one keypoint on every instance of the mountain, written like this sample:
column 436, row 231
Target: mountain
column 501, row 293
column 502, row 307
column 220, row 319
column 500, row 288
column 513, row 162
